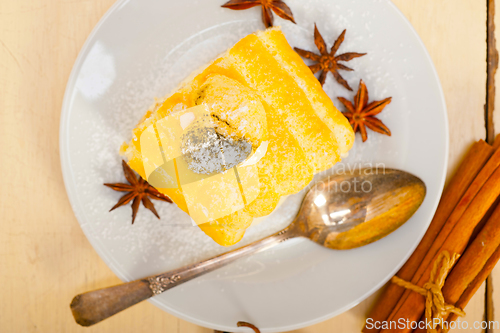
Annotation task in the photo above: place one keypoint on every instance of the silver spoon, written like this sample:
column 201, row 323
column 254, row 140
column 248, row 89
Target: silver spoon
column 340, row 212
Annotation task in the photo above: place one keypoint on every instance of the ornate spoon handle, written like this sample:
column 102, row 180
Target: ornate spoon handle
column 94, row 306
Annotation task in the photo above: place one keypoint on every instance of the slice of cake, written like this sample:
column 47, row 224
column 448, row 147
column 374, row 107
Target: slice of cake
column 258, row 96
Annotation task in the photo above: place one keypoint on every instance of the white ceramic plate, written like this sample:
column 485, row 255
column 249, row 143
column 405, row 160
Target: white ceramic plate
column 142, row 49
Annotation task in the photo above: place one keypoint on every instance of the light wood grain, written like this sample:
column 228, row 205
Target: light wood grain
column 495, row 279
column 46, row 259
column 454, row 33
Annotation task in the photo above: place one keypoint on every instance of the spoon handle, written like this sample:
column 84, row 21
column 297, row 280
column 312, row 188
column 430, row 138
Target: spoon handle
column 94, row 306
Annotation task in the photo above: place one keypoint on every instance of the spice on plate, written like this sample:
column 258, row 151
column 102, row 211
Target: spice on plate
column 362, row 114
column 328, row 61
column 268, row 7
column 139, row 190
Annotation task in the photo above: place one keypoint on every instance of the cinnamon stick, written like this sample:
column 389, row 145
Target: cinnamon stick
column 473, row 267
column 411, row 305
column 476, row 283
column 473, row 259
column 472, row 164
column 471, row 290
column 496, row 144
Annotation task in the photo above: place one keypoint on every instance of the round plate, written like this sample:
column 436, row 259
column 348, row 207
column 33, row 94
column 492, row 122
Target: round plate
column 143, row 49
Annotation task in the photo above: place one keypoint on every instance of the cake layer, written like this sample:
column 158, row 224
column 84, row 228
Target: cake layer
column 286, row 100
column 278, row 46
column 240, row 111
column 305, row 133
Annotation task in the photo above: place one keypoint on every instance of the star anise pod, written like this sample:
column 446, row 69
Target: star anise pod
column 328, row 61
column 139, row 190
column 268, row 7
column 362, row 114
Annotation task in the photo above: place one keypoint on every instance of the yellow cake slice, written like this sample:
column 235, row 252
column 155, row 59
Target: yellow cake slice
column 259, row 91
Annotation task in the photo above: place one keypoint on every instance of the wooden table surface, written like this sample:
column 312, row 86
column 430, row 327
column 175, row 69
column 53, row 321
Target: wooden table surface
column 45, row 257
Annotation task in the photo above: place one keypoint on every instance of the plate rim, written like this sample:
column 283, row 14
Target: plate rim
column 109, row 261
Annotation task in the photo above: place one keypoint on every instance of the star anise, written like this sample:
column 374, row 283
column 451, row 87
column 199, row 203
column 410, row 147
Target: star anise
column 327, row 61
column 362, row 114
column 139, row 190
column 268, row 7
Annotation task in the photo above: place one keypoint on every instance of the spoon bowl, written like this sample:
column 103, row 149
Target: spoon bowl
column 339, row 212
column 347, row 211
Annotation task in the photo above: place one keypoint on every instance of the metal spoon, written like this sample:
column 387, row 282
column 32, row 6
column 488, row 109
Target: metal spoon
column 339, row 212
